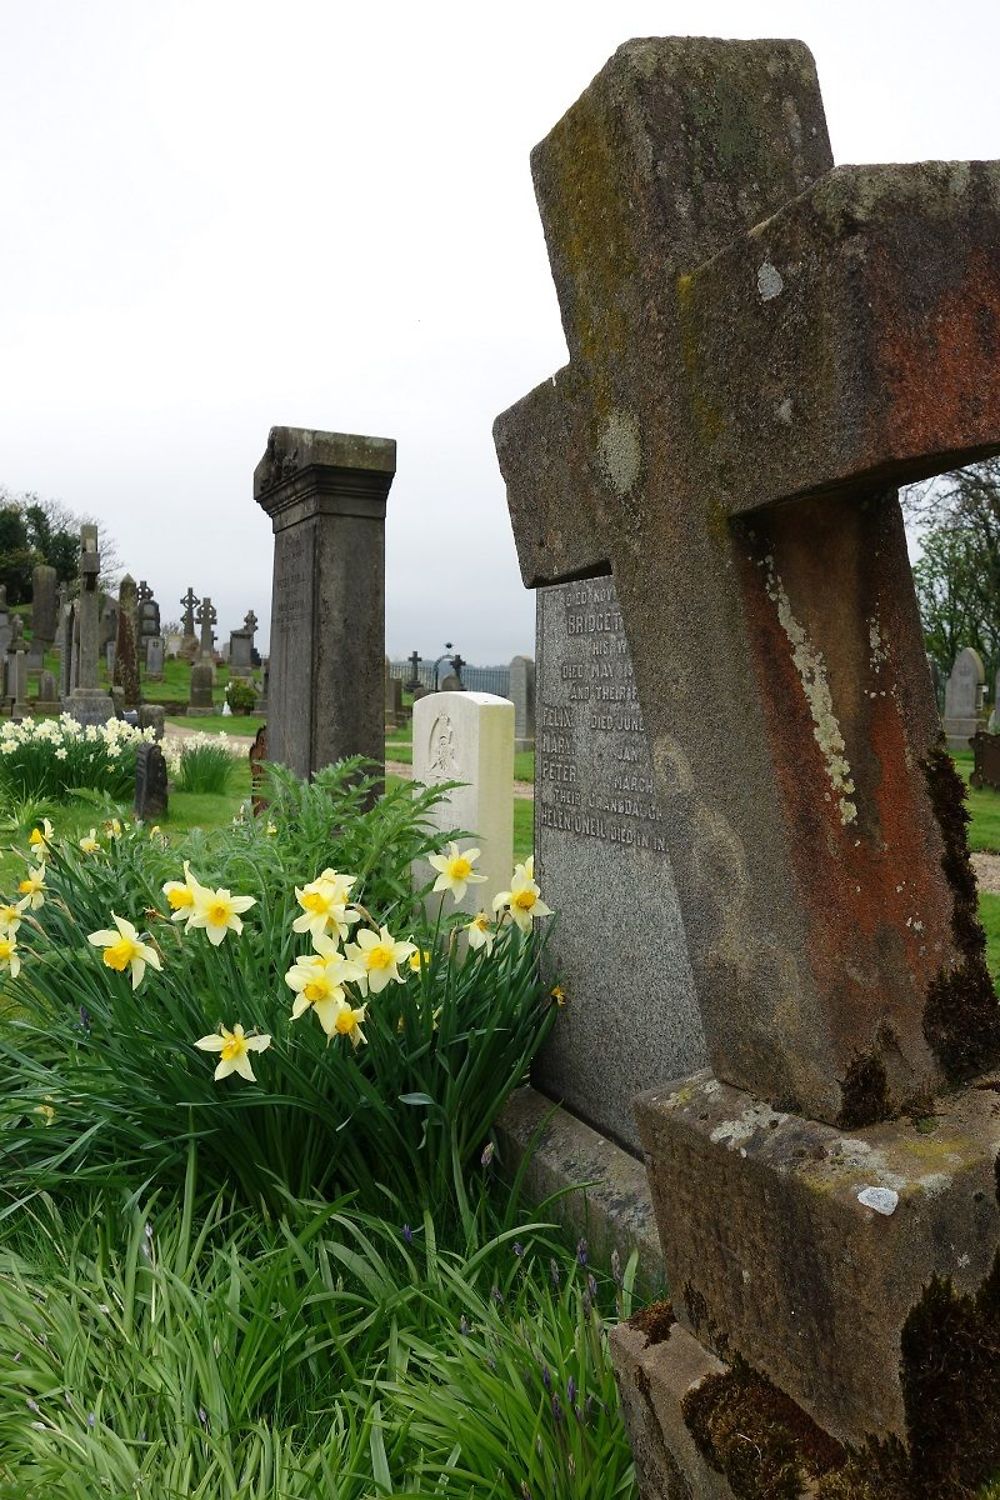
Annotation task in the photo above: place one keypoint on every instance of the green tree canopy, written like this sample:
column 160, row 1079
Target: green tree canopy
column 957, row 575
column 32, row 531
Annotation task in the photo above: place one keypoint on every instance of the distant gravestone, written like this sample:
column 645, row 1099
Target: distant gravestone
column 325, row 494
column 4, row 622
column 206, row 616
column 109, row 659
column 522, row 695
column 189, row 643
column 150, row 782
column 265, row 672
column 17, row 670
column 126, row 662
column 241, row 647
column 202, row 684
column 596, row 810
column 48, row 694
column 451, row 684
column 44, row 584
column 963, row 698
column 149, row 612
column 154, row 657
column 87, row 702
column 394, row 715
column 153, row 716
column 469, row 737
column 258, row 759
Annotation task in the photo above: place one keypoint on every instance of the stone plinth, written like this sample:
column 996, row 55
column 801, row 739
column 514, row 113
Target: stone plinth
column 522, row 695
column 802, row 1274
column 202, row 702
column 469, row 737
column 325, row 494
column 633, row 1015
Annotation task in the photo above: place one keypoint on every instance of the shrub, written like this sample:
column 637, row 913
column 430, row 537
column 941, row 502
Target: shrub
column 102, row 1081
column 52, row 758
column 241, row 695
column 202, row 763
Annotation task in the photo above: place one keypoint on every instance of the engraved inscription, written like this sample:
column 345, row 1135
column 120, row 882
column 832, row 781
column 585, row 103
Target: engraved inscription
column 594, row 776
column 442, row 758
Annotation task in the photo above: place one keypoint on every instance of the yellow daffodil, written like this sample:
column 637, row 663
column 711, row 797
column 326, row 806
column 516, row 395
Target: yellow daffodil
column 219, row 912
column 481, row 933
column 33, row 887
column 558, row 994
column 40, row 840
column 318, row 980
column 235, row 1048
column 523, row 900
column 324, row 905
column 46, row 1111
column 9, row 958
column 271, row 830
column 379, row 955
column 155, row 830
column 90, row 844
column 124, row 949
column 181, row 895
column 455, row 872
column 113, row 828
column 348, row 1022
column 10, row 915
column 418, row 958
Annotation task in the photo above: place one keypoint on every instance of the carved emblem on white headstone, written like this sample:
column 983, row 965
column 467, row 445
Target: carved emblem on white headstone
column 442, row 762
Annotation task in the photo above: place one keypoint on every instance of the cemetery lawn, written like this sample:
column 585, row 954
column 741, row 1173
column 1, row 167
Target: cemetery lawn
column 219, row 724
column 984, row 807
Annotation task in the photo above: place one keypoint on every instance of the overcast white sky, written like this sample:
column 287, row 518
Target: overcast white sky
column 219, row 215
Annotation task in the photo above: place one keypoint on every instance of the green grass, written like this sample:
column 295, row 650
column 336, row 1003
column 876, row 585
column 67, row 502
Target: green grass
column 984, row 806
column 247, row 725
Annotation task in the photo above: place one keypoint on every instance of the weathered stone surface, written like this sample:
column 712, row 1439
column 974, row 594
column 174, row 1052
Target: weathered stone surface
column 591, row 1186
column 154, row 657
column 153, row 716
column 469, row 738
column 759, row 349
column 126, row 659
column 394, row 715
column 963, row 698
column 88, row 703
column 207, row 616
column 258, row 774
column 773, row 1256
column 17, row 670
column 522, row 695
column 48, row 694
column 325, row 494
column 150, row 783
column 655, row 1375
column 44, row 582
column 241, row 647
column 601, row 846
column 202, row 701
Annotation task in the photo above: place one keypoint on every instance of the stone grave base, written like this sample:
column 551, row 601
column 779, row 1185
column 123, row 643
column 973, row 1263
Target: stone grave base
column 46, row 706
column 611, row 1206
column 194, row 712
column 89, row 706
column 858, row 1270
column 958, row 732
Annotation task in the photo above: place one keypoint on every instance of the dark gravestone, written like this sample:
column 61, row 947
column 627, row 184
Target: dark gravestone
column 150, row 783
column 521, row 692
column 633, row 1016
column 153, row 716
column 761, row 348
column 325, row 494
column 4, row 622
column 202, row 685
column 258, row 759
column 126, row 654
column 986, row 761
column 44, row 583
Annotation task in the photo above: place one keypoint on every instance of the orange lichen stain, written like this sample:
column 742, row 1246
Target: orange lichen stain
column 940, row 368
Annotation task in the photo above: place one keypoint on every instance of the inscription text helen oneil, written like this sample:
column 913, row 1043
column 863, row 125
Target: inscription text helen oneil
column 594, row 776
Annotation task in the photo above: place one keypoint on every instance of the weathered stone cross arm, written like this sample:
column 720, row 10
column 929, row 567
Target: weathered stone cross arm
column 761, row 348
column 849, row 342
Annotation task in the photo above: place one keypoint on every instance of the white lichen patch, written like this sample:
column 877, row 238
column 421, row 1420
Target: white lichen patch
column 879, row 652
column 769, row 281
column 811, row 668
column 783, row 411
column 733, row 1133
column 620, row 452
column 881, row 1200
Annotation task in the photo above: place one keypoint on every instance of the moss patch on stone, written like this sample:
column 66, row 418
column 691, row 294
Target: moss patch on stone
column 864, row 1094
column 962, row 1016
column 950, row 1376
column 757, row 1437
column 655, row 1321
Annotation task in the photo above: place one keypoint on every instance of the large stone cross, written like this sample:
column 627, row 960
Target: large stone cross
column 761, row 348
